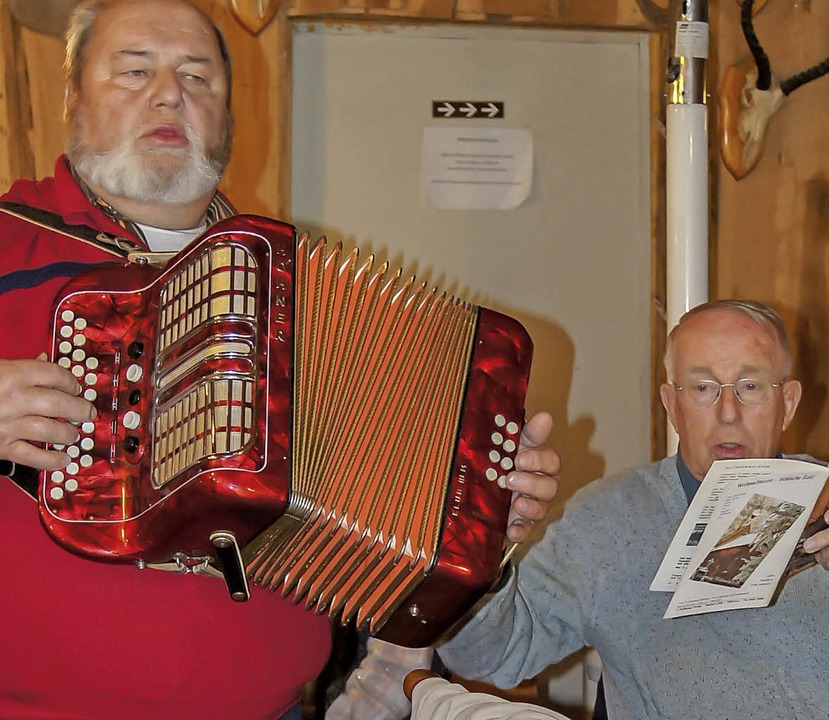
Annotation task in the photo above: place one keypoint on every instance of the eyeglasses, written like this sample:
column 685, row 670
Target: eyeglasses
column 748, row 391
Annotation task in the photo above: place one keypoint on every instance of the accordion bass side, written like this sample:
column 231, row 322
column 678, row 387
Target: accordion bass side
column 347, row 431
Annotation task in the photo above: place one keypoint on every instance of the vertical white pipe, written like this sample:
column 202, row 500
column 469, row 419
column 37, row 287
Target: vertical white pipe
column 686, row 126
column 687, row 209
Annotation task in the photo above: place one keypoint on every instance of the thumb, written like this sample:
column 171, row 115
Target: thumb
column 536, row 430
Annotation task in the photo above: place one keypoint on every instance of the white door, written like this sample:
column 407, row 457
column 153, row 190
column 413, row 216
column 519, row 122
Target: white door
column 572, row 262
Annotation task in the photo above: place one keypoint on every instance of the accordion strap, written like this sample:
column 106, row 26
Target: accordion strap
column 114, row 244
column 24, row 477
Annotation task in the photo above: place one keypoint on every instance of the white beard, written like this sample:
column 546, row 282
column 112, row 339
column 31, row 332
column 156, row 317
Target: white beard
column 123, row 172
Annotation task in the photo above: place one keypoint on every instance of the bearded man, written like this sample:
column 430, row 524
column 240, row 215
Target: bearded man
column 147, row 103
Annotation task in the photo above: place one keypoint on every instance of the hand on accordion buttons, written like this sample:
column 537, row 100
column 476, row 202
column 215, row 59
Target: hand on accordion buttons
column 374, row 691
column 39, row 402
column 534, row 481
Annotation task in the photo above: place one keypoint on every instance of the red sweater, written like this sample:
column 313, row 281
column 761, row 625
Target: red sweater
column 82, row 639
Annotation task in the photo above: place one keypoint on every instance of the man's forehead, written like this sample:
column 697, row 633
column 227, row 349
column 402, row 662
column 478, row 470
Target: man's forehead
column 707, row 371
column 724, row 321
column 141, row 25
column 726, row 333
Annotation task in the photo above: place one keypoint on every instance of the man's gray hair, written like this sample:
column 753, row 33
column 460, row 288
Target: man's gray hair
column 764, row 315
column 82, row 24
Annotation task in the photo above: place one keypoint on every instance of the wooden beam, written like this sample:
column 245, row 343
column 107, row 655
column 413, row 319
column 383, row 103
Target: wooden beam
column 16, row 158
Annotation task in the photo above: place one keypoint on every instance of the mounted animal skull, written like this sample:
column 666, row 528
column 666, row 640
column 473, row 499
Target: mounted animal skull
column 44, row 16
column 750, row 94
column 744, row 114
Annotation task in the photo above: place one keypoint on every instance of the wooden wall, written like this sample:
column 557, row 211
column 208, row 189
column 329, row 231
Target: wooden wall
column 772, row 227
column 768, row 230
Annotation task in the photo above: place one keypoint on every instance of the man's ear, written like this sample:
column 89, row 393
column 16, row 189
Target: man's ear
column 668, row 395
column 70, row 97
column 792, row 392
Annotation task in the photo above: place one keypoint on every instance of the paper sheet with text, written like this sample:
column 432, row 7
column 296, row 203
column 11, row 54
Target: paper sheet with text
column 738, row 535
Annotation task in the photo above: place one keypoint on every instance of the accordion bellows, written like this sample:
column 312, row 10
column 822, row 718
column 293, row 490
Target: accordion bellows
column 351, row 429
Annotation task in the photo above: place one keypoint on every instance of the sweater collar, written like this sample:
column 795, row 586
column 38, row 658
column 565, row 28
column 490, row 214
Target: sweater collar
column 689, row 483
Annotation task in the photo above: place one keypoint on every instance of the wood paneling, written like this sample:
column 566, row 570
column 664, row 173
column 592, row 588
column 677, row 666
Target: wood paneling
column 16, row 159
column 772, row 227
column 46, row 134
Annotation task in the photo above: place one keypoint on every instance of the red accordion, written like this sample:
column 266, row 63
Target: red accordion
column 344, row 432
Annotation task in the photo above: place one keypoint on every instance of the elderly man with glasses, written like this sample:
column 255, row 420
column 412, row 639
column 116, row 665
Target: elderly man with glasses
column 730, row 395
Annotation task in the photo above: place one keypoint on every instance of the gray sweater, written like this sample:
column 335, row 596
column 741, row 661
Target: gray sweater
column 586, row 583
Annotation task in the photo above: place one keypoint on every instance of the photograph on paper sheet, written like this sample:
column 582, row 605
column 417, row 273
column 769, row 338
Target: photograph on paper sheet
column 756, row 529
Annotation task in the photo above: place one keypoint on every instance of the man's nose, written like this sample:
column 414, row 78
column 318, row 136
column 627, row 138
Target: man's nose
column 728, row 406
column 166, row 89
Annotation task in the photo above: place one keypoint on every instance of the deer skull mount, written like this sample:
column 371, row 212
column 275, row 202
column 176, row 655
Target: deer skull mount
column 744, row 114
column 750, row 94
column 254, row 15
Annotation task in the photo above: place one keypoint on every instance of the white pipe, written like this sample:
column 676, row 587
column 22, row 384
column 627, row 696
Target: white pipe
column 687, row 209
column 686, row 126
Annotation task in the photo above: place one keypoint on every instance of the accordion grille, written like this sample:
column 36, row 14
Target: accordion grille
column 208, row 319
column 380, row 373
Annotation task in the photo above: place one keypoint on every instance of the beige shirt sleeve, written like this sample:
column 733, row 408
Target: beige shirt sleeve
column 438, row 699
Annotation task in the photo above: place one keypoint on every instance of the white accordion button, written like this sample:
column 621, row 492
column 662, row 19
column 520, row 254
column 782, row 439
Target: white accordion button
column 56, row 493
column 88, row 428
column 497, row 438
column 502, row 481
column 135, row 372
column 65, row 362
column 491, row 474
column 65, row 348
column 512, row 428
column 87, row 443
column 73, row 451
column 506, row 463
column 86, row 460
column 79, row 340
column 57, row 477
column 67, row 316
column 494, row 456
column 66, row 331
column 500, row 420
column 92, row 363
column 77, row 371
column 509, row 446
column 90, row 394
column 72, row 469
column 132, row 420
column 80, row 324
column 78, row 355
column 71, row 485
column 90, row 378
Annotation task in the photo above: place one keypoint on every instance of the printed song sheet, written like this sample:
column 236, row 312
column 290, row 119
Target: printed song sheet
column 741, row 533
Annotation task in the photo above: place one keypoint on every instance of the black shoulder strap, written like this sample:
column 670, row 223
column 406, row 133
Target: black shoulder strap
column 24, row 477
column 120, row 246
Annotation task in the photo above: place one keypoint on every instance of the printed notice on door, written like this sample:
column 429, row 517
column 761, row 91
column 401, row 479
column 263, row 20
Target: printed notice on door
column 476, row 168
